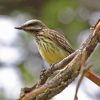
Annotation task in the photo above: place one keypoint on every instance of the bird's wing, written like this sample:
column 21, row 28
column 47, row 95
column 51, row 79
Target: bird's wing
column 61, row 41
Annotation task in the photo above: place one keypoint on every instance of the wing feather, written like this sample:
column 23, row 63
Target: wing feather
column 61, row 41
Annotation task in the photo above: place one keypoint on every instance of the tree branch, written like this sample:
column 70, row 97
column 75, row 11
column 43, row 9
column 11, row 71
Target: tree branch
column 71, row 67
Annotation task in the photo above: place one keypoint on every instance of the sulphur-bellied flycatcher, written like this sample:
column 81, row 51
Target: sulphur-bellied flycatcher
column 53, row 47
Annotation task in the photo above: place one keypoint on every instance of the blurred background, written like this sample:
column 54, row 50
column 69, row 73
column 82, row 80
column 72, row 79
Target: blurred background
column 20, row 62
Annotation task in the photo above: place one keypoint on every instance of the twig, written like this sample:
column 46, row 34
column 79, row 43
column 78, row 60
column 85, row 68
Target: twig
column 93, row 77
column 84, row 69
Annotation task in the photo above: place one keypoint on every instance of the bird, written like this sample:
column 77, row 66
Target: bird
column 52, row 45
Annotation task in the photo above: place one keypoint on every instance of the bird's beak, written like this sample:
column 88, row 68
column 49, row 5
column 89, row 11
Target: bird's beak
column 19, row 27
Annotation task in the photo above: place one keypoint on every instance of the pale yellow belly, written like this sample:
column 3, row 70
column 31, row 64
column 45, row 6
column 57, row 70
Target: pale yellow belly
column 52, row 55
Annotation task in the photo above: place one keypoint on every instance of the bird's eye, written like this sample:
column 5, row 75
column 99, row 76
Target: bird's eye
column 34, row 26
column 31, row 24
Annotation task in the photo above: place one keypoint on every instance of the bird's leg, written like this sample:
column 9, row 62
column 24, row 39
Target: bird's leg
column 45, row 73
column 42, row 72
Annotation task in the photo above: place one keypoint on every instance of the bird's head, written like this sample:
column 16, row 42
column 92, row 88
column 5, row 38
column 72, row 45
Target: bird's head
column 32, row 26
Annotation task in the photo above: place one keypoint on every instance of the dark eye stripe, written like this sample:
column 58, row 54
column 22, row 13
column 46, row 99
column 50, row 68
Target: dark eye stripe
column 33, row 24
